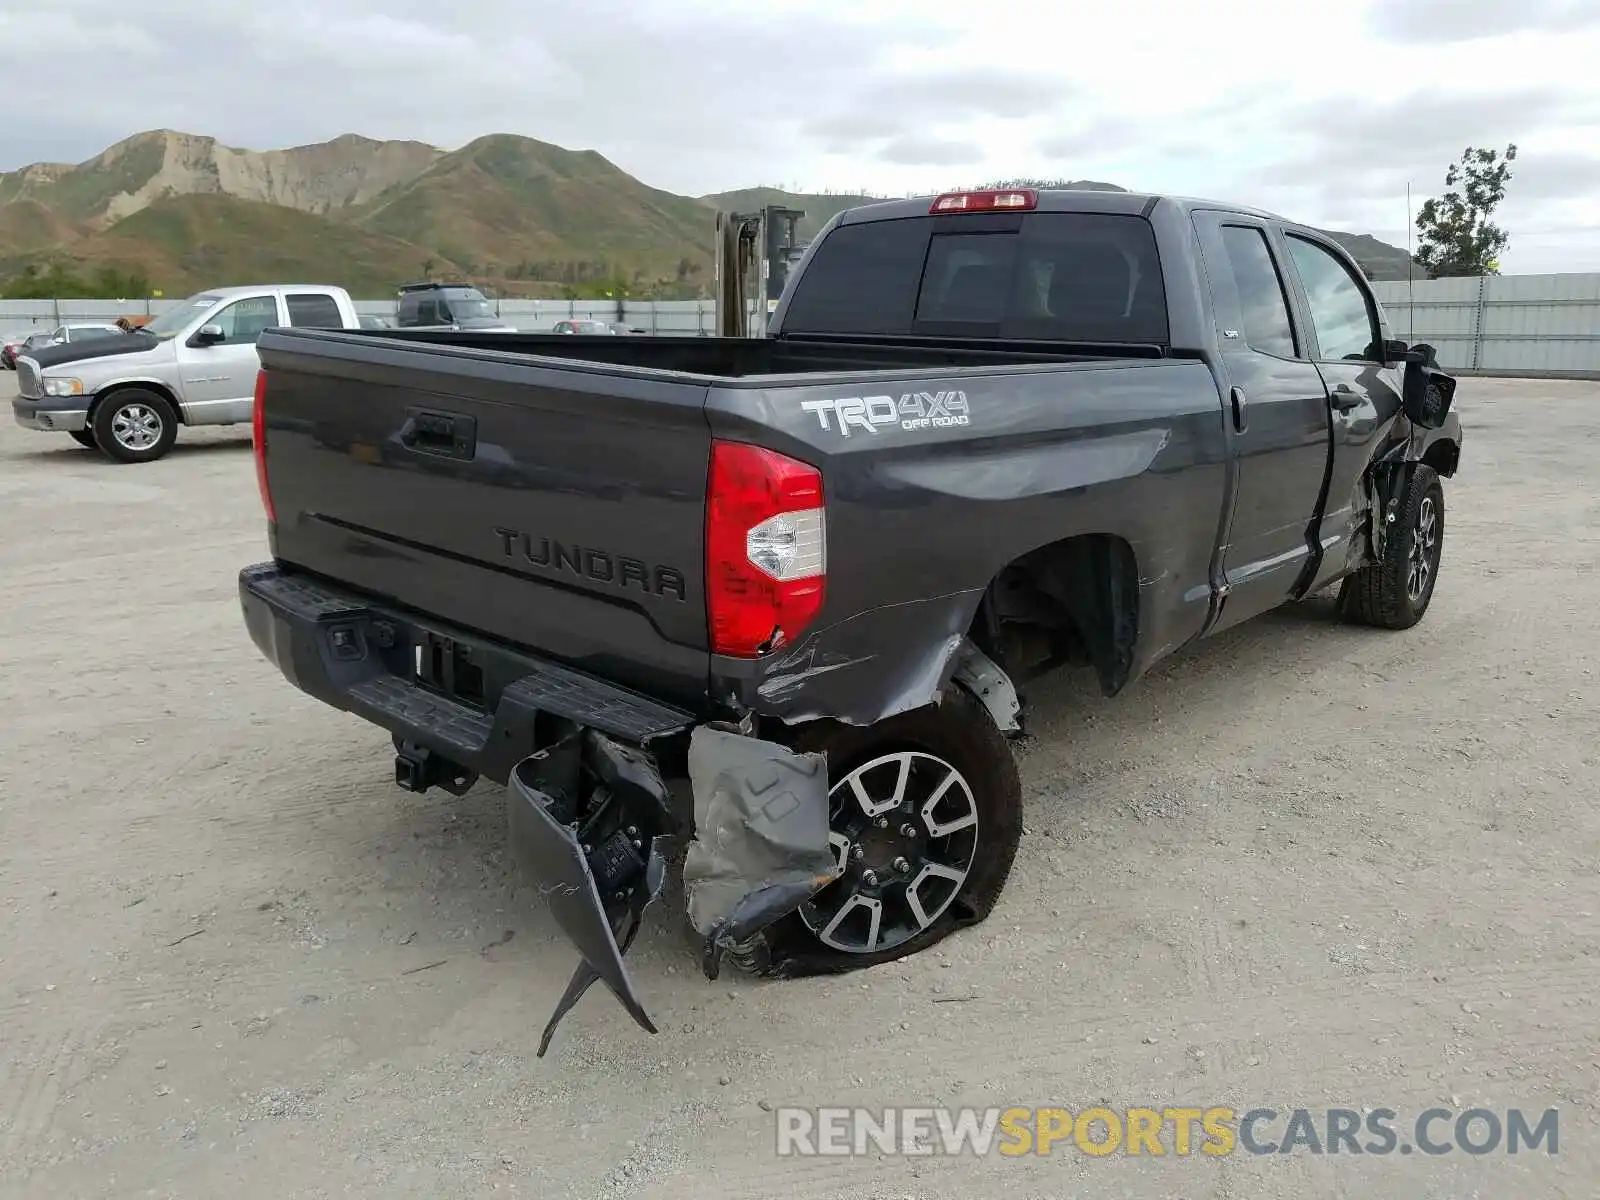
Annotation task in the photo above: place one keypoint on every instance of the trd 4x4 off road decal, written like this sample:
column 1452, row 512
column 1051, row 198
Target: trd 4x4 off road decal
column 914, row 410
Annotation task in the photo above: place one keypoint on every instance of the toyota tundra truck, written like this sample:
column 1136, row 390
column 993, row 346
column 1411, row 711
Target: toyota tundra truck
column 777, row 601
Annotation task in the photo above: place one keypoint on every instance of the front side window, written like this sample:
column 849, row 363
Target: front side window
column 1263, row 307
column 464, row 304
column 175, row 320
column 245, row 320
column 1345, row 325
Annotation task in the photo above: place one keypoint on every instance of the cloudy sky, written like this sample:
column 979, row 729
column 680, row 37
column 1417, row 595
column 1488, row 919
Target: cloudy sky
column 1321, row 109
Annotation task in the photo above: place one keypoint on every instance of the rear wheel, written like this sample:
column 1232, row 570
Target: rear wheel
column 926, row 814
column 135, row 426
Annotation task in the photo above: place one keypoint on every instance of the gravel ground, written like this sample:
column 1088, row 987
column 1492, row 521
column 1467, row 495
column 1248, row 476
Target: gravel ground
column 1302, row 865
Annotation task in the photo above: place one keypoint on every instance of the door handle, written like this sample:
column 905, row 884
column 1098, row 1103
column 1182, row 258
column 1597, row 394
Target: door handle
column 448, row 435
column 1345, row 397
column 1236, row 402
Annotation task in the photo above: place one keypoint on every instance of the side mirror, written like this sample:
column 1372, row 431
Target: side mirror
column 208, row 335
column 58, row 341
column 1426, row 392
column 1394, row 352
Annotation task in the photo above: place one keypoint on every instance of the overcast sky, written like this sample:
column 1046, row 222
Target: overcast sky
column 1320, row 109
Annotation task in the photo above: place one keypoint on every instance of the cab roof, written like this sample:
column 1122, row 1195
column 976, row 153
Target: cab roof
column 1080, row 200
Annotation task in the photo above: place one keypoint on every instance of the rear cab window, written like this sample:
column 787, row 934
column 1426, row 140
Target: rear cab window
column 1043, row 276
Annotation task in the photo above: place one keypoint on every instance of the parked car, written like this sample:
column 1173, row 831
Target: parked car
column 75, row 333
column 584, row 327
column 989, row 433
column 78, row 332
column 453, row 306
column 10, row 346
column 195, row 364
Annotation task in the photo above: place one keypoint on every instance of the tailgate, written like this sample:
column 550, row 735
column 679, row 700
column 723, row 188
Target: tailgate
column 557, row 508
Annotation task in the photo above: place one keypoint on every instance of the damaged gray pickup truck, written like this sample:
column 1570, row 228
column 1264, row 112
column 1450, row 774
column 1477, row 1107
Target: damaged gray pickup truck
column 989, row 433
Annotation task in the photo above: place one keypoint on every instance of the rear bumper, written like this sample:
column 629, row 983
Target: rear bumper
column 589, row 819
column 361, row 656
column 51, row 415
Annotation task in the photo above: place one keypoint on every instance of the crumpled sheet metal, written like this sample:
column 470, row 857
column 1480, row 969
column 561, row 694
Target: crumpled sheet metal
column 869, row 667
column 761, row 846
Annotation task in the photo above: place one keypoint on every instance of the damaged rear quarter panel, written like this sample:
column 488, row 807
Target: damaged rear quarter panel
column 921, row 518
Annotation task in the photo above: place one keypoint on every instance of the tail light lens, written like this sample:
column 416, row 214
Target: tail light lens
column 258, row 439
column 766, row 549
column 991, row 200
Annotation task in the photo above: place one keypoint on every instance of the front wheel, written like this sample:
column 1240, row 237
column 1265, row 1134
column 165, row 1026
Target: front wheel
column 135, row 426
column 925, row 812
column 1394, row 591
column 84, row 438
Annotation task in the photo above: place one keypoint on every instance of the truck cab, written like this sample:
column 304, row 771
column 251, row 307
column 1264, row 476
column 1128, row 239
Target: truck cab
column 126, row 393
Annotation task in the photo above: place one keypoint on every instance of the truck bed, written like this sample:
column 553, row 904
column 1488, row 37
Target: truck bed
column 570, row 521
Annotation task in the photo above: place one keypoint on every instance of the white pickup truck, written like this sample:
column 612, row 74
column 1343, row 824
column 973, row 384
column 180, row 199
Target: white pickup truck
column 195, row 364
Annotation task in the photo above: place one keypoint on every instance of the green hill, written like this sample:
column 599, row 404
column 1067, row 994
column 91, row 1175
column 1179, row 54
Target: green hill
column 512, row 207
column 26, row 225
column 185, row 243
column 511, row 213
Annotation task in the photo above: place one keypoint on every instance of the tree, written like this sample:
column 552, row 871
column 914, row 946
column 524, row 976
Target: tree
column 1456, row 233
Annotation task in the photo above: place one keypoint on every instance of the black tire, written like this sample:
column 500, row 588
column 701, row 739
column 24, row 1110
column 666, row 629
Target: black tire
column 134, row 407
column 1386, row 593
column 960, row 732
column 84, row 438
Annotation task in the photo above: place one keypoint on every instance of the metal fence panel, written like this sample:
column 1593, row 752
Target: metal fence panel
column 1527, row 324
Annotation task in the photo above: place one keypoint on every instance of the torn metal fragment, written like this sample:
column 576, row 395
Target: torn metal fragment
column 761, row 846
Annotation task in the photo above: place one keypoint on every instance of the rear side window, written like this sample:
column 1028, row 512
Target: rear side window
column 313, row 311
column 418, row 308
column 1079, row 277
column 1264, row 309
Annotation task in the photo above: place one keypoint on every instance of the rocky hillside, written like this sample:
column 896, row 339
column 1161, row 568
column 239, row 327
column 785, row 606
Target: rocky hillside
column 518, row 215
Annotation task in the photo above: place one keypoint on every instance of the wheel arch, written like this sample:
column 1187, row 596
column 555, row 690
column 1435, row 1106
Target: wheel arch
column 140, row 385
column 1075, row 599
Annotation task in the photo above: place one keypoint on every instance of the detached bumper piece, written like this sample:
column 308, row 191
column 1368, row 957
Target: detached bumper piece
column 589, row 822
column 761, row 846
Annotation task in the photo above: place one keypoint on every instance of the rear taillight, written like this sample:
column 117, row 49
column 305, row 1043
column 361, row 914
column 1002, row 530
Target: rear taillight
column 258, row 438
column 766, row 549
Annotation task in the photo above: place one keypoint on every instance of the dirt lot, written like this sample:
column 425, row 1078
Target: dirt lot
column 1303, row 865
